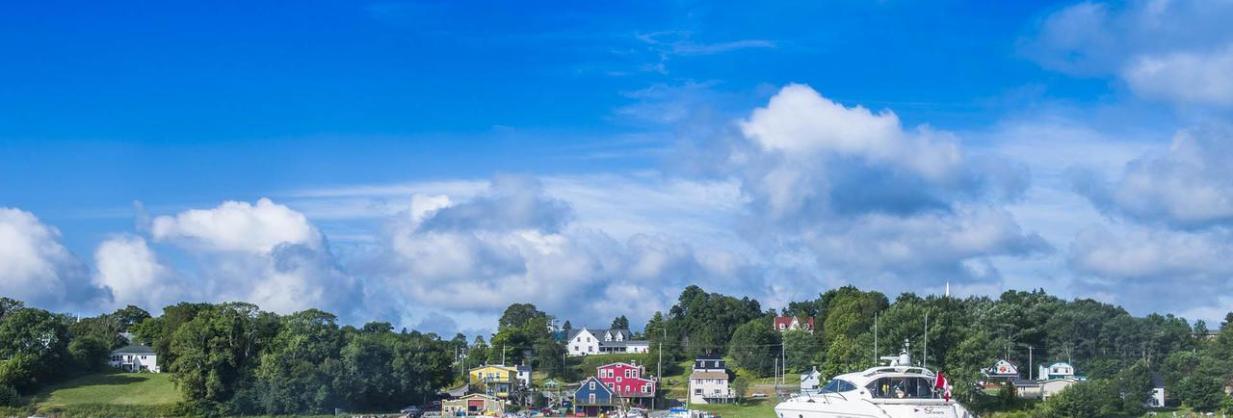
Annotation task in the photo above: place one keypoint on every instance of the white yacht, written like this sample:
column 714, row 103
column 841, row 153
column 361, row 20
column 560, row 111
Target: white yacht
column 897, row 390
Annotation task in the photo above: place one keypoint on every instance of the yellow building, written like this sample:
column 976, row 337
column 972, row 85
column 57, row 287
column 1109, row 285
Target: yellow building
column 494, row 380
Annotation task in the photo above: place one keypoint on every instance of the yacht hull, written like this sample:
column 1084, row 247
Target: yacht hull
column 860, row 408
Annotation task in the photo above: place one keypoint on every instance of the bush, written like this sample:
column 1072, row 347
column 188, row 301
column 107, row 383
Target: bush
column 89, row 353
column 16, row 411
column 9, row 396
column 1201, row 393
column 1078, row 400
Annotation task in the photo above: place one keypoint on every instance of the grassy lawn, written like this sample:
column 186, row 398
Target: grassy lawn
column 750, row 409
column 112, row 389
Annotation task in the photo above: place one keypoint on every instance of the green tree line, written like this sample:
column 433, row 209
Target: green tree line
column 1117, row 351
column 233, row 358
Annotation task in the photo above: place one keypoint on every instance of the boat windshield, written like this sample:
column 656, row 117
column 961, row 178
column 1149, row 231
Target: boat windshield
column 838, row 385
column 902, row 388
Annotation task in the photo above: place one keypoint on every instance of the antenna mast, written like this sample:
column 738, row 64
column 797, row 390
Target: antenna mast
column 924, row 360
column 875, row 338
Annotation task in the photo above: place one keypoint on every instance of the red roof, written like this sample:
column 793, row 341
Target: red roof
column 785, row 322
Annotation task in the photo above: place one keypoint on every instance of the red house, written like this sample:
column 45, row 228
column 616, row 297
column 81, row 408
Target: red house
column 787, row 323
column 628, row 381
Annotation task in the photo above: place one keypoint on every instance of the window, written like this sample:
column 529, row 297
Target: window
column 618, row 380
column 590, row 349
column 627, row 388
column 592, row 386
column 836, row 385
column 646, row 388
column 902, row 388
column 698, row 391
column 591, row 398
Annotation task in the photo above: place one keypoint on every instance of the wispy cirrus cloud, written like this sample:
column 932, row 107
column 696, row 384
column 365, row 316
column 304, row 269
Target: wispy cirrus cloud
column 682, row 43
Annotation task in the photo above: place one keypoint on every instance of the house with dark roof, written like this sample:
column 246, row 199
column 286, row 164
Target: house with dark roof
column 134, row 358
column 709, row 382
column 593, row 398
column 585, row 341
column 628, row 381
column 1157, row 399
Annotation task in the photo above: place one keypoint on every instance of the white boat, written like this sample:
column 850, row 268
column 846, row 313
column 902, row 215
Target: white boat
column 897, row 390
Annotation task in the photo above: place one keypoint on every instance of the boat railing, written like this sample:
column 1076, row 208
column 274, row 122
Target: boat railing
column 905, row 370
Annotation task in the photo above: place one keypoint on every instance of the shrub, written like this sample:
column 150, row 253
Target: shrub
column 9, row 396
column 1201, row 393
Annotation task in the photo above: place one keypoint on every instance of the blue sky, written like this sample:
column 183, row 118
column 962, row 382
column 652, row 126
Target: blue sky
column 443, row 159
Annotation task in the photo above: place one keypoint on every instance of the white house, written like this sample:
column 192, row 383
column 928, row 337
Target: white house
column 811, row 381
column 585, row 342
column 524, row 375
column 1059, row 370
column 134, row 358
column 709, row 382
column 1157, row 400
column 582, row 342
column 793, row 323
column 1053, row 387
column 1002, row 369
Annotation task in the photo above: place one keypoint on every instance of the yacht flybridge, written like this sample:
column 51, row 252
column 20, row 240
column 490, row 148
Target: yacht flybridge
column 896, row 390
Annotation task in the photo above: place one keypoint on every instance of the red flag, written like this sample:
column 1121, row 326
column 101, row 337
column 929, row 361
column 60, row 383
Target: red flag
column 943, row 384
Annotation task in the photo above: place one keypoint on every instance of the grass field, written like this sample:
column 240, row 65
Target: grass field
column 750, row 409
column 112, row 389
column 105, row 395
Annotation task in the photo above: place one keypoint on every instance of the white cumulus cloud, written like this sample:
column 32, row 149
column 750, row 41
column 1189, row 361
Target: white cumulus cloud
column 843, row 194
column 802, row 124
column 127, row 266
column 514, row 243
column 1184, row 77
column 1178, row 51
column 264, row 253
column 1186, row 186
column 36, row 268
column 238, row 226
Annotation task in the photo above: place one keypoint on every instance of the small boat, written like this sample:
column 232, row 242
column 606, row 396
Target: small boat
column 897, row 390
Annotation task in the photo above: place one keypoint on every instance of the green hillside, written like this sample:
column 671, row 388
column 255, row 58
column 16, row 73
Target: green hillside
column 111, row 394
column 112, row 388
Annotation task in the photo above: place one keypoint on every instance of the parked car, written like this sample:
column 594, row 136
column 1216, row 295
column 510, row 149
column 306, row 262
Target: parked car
column 412, row 411
column 431, row 414
column 757, row 395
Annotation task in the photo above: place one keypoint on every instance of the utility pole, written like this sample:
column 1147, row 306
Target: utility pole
column 777, row 375
column 1030, row 362
column 659, row 367
column 924, row 360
